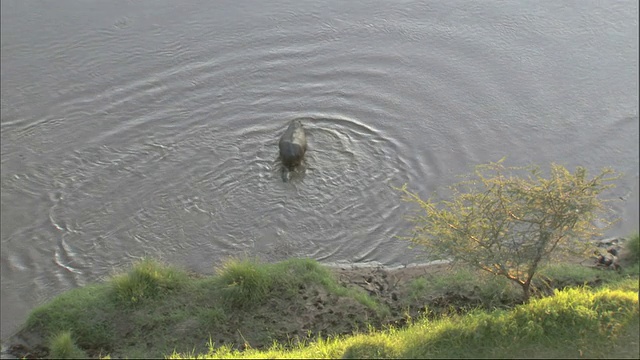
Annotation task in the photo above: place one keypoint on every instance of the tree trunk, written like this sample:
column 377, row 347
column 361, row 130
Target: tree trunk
column 526, row 287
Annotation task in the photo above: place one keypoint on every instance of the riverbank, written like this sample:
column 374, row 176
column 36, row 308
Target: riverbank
column 155, row 309
column 167, row 309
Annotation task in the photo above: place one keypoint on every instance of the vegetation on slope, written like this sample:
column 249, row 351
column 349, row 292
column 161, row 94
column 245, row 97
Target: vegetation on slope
column 154, row 309
column 578, row 322
column 510, row 221
column 298, row 308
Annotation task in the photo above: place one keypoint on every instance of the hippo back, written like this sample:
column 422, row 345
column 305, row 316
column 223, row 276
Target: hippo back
column 293, row 145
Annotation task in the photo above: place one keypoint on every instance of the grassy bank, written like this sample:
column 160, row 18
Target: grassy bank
column 155, row 309
column 298, row 308
column 578, row 322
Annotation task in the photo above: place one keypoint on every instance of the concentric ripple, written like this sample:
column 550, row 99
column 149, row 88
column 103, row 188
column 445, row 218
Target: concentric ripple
column 151, row 129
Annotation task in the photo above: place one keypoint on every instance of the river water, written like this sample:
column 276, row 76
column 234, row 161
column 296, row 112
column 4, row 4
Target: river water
column 150, row 128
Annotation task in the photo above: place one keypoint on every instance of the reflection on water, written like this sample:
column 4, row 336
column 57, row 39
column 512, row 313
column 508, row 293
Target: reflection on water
column 150, row 129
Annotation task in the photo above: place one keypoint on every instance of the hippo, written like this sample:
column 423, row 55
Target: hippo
column 293, row 145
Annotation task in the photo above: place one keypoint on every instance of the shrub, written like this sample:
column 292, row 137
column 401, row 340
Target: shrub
column 632, row 249
column 509, row 220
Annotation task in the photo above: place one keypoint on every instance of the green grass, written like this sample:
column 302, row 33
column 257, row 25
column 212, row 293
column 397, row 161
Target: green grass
column 578, row 322
column 154, row 310
column 631, row 251
column 491, row 291
column 245, row 282
column 147, row 280
column 481, row 289
column 563, row 275
column 63, row 346
column 130, row 309
column 86, row 312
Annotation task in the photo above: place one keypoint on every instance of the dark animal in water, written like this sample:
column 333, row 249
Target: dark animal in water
column 293, row 145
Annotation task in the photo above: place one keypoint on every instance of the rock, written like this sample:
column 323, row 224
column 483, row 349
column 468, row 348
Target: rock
column 607, row 260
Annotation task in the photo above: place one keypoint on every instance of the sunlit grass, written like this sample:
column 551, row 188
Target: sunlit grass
column 154, row 310
column 247, row 281
column 571, row 323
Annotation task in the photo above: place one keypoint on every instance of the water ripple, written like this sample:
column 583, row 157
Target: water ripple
column 131, row 130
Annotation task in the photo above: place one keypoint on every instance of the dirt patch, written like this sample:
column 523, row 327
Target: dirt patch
column 391, row 286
